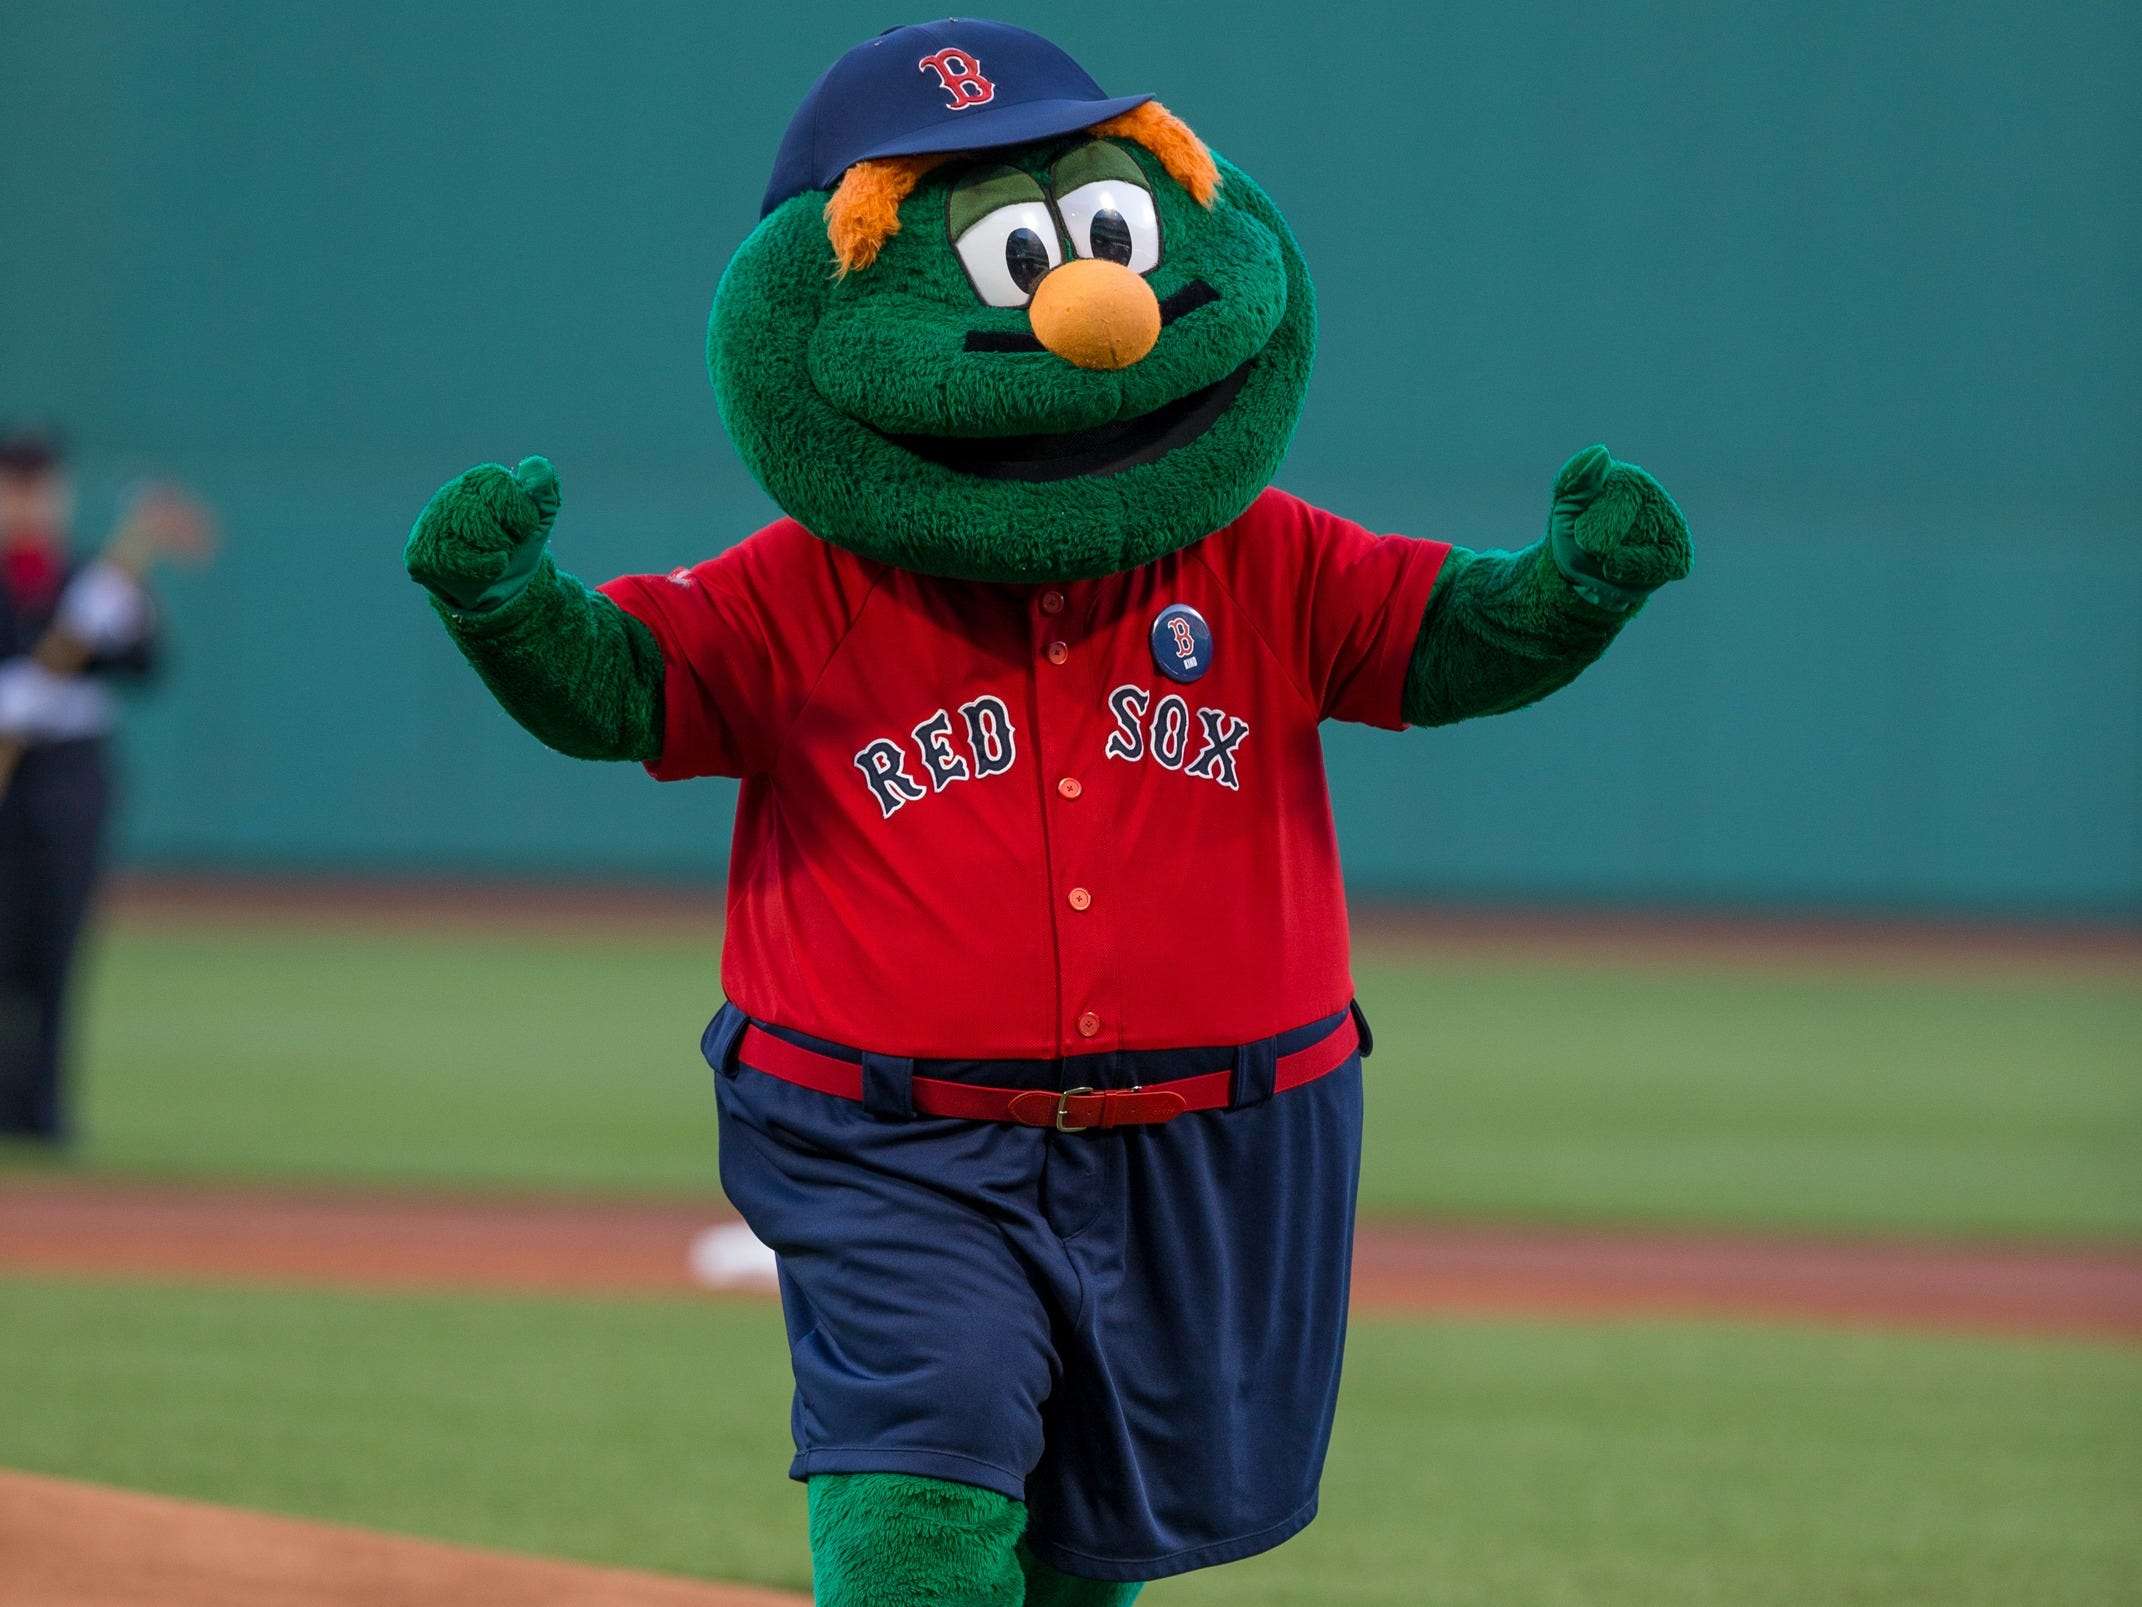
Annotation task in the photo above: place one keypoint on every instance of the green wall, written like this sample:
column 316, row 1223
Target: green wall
column 1858, row 282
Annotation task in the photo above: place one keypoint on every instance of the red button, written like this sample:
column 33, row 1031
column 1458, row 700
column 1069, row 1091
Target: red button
column 1058, row 652
column 1052, row 602
column 1088, row 1024
column 1070, row 787
column 1080, row 899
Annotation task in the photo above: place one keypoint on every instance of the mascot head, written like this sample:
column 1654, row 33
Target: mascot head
column 995, row 325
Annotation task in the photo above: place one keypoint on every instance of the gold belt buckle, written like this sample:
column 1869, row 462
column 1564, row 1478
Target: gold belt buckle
column 1063, row 1109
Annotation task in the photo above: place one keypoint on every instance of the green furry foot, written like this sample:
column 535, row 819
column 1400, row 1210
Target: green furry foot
column 888, row 1540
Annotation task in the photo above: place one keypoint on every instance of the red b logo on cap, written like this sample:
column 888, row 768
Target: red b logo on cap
column 961, row 76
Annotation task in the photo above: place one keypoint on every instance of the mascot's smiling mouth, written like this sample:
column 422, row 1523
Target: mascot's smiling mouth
column 1104, row 449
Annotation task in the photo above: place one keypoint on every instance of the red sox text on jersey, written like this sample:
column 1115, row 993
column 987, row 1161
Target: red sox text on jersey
column 991, row 745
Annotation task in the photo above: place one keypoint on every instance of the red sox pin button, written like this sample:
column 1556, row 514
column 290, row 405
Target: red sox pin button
column 1182, row 643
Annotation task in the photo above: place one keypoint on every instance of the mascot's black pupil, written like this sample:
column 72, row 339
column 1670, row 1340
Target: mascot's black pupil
column 1027, row 258
column 1111, row 237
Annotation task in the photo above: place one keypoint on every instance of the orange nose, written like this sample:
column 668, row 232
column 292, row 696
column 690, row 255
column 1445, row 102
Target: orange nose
column 1095, row 313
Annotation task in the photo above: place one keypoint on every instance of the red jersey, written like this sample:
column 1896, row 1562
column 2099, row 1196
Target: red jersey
column 1018, row 822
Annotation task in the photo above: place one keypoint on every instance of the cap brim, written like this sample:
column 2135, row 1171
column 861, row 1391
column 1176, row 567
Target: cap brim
column 992, row 128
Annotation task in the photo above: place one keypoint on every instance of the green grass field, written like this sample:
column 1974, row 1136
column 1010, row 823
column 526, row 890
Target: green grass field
column 1567, row 1092
column 1476, row 1464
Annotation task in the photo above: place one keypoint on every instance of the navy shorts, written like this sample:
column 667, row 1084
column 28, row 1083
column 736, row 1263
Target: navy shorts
column 1137, row 1332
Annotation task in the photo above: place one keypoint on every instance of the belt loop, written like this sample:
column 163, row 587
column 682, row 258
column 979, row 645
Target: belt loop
column 718, row 1043
column 888, row 1085
column 1368, row 1038
column 1256, row 1067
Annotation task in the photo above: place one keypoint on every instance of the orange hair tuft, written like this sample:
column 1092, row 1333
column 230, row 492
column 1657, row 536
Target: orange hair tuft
column 1169, row 138
column 863, row 212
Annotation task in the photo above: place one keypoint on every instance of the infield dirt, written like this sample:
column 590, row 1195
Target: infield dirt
column 87, row 1545
column 390, row 1241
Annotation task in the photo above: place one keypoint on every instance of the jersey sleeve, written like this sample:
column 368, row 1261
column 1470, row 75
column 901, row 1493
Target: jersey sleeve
column 743, row 638
column 1339, row 605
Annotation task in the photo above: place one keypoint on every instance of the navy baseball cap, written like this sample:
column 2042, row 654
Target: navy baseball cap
column 957, row 85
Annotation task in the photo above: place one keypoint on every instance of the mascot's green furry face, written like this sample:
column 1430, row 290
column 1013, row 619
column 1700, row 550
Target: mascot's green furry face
column 1045, row 363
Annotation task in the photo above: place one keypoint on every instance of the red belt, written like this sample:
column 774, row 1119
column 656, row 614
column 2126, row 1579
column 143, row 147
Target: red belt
column 1074, row 1110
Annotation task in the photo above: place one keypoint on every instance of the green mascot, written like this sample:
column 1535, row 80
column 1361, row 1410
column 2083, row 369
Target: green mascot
column 1040, row 1068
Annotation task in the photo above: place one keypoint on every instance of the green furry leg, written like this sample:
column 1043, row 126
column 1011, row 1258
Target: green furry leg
column 1045, row 1587
column 888, row 1540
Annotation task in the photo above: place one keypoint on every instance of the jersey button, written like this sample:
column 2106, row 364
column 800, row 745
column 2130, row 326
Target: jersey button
column 1058, row 652
column 1080, row 898
column 1052, row 602
column 1070, row 786
column 1088, row 1024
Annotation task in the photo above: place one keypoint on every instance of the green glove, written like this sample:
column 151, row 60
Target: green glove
column 575, row 669
column 1614, row 533
column 479, row 539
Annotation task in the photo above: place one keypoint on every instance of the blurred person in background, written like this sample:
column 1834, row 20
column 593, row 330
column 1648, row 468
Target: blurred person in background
column 69, row 626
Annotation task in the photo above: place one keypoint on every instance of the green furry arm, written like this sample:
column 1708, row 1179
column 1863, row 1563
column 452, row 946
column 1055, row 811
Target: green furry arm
column 582, row 675
column 1502, row 630
column 578, row 672
column 1505, row 629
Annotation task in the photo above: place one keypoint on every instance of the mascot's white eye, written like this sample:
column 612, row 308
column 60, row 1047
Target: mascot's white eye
column 1114, row 221
column 1007, row 251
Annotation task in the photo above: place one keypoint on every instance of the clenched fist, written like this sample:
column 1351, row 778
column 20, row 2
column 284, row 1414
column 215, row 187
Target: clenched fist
column 482, row 534
column 1615, row 534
